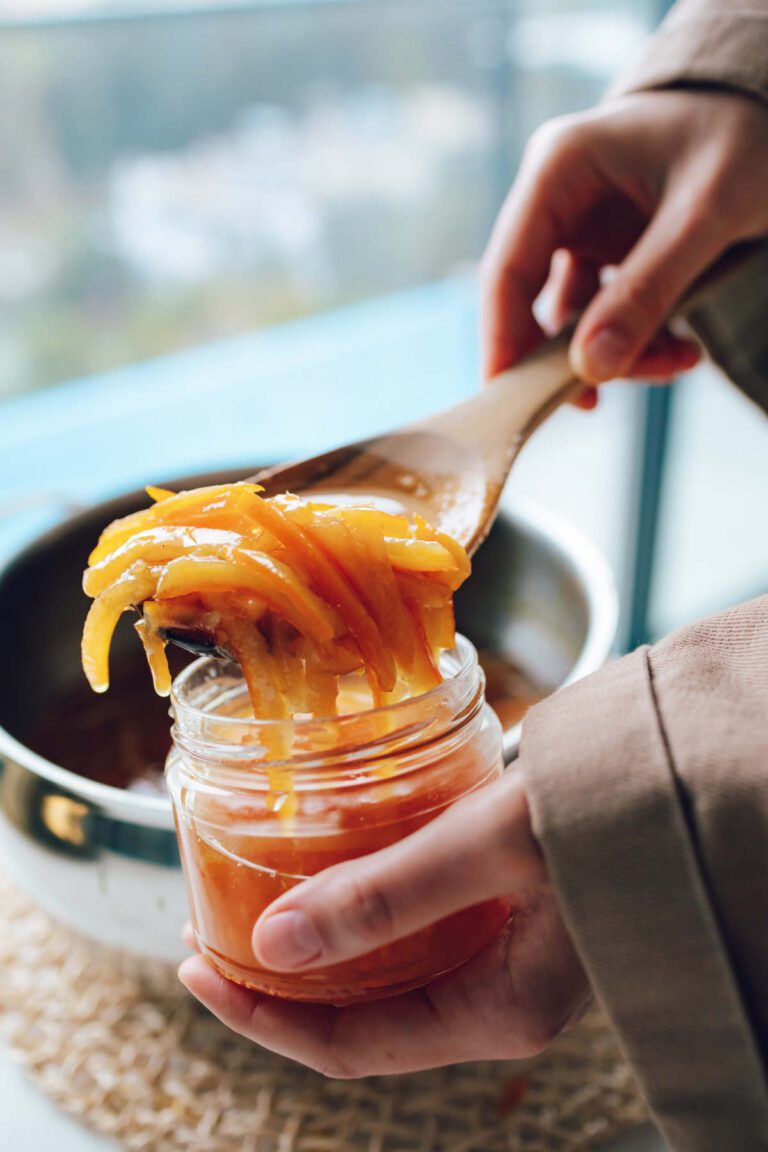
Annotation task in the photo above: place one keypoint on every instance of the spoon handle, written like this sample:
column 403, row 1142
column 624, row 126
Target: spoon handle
column 500, row 418
column 497, row 421
column 490, row 428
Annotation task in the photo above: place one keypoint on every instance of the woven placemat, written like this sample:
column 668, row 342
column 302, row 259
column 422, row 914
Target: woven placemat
column 119, row 1044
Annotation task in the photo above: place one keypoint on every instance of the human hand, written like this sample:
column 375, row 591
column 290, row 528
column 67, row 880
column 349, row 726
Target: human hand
column 508, row 1002
column 659, row 184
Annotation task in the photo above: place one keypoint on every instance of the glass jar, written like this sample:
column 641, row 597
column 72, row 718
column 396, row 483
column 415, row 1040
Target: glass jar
column 262, row 805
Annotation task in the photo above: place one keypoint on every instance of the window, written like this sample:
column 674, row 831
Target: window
column 173, row 173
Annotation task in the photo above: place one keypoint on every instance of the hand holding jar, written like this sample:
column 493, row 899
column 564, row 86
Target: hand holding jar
column 508, row 1002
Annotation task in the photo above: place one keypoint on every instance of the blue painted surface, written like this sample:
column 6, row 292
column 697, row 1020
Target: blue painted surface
column 287, row 391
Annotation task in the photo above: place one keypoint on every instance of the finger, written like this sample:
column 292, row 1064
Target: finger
column 300, row 1031
column 629, row 310
column 571, row 286
column 424, row 1029
column 665, row 357
column 517, row 261
column 478, row 850
column 188, row 937
column 586, row 399
column 401, row 1034
column 509, row 1002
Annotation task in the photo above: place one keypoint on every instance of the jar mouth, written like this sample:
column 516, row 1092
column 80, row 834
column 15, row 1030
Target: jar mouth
column 203, row 728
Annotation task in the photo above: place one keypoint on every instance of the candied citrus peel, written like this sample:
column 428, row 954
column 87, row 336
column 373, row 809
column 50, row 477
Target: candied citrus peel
column 301, row 593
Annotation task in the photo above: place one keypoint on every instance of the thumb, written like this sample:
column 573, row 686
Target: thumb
column 628, row 311
column 479, row 849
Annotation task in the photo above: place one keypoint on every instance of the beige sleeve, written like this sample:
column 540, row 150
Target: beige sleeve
column 648, row 782
column 648, row 788
column 718, row 42
column 723, row 44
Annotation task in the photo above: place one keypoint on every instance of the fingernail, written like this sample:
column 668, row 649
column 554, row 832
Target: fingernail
column 187, row 968
column 587, row 398
column 603, row 356
column 286, row 940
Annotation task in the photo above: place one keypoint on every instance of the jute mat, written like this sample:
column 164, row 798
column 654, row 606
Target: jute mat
column 119, row 1044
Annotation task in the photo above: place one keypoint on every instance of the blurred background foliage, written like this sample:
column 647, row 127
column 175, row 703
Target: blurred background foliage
column 171, row 174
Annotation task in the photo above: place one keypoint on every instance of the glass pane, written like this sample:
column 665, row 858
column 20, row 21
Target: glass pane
column 169, row 179
column 713, row 543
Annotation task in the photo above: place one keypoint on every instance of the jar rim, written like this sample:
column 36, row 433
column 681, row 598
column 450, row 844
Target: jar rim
column 202, row 731
column 464, row 647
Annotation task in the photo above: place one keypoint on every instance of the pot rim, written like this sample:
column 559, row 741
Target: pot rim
column 589, row 566
column 578, row 554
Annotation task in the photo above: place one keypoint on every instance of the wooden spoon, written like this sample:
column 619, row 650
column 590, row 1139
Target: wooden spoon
column 451, row 467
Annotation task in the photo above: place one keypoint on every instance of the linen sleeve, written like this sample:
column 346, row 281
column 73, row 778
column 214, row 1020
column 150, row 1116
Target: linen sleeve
column 723, row 43
column 648, row 789
column 719, row 44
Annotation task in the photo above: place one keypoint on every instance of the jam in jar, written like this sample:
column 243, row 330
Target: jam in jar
column 262, row 805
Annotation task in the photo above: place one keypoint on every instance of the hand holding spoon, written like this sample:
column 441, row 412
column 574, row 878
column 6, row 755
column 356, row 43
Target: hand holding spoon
column 452, row 466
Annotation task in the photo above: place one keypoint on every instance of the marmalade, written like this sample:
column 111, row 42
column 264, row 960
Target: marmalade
column 342, row 712
column 352, row 785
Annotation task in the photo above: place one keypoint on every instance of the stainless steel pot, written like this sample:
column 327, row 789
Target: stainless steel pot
column 104, row 860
